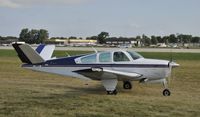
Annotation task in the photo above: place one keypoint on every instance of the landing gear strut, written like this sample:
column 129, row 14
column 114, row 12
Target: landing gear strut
column 114, row 92
column 166, row 91
column 127, row 85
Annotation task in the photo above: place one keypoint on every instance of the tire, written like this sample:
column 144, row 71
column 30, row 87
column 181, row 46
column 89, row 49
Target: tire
column 114, row 92
column 109, row 92
column 127, row 85
column 166, row 92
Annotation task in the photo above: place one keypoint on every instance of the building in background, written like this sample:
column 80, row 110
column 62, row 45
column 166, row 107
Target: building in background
column 72, row 42
column 123, row 42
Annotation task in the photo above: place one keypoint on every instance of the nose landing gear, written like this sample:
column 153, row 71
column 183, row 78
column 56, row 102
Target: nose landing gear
column 166, row 91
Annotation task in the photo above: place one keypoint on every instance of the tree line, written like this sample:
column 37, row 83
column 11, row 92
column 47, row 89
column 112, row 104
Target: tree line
column 41, row 35
column 172, row 38
column 144, row 39
column 8, row 37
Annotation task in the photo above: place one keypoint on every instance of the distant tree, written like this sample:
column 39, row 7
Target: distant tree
column 23, row 35
column 154, row 40
column 61, row 37
column 58, row 38
column 172, row 38
column 138, row 39
column 87, row 38
column 33, row 36
column 101, row 37
column 132, row 38
column 164, row 39
column 72, row 37
column 195, row 40
column 11, row 37
column 53, row 38
column 143, row 40
column 93, row 37
column 159, row 39
column 146, row 40
column 43, row 35
column 184, row 38
column 112, row 38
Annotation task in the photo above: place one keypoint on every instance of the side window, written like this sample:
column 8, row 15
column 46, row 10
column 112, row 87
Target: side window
column 89, row 59
column 105, row 57
column 120, row 57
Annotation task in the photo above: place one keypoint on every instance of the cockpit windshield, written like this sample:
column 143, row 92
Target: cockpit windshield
column 135, row 55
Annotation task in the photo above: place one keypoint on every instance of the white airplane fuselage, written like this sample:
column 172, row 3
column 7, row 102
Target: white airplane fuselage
column 151, row 69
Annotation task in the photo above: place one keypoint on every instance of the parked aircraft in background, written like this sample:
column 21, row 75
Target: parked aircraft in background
column 109, row 67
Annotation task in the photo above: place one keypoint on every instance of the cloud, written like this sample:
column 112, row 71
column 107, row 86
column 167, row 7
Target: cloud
column 8, row 3
column 25, row 3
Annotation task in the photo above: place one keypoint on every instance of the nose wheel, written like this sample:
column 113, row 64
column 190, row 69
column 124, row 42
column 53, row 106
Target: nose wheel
column 166, row 92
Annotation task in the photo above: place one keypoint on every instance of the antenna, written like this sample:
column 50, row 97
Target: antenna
column 171, row 77
column 68, row 55
column 94, row 49
column 171, row 59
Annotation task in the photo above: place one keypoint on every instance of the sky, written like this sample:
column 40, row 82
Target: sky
column 83, row 18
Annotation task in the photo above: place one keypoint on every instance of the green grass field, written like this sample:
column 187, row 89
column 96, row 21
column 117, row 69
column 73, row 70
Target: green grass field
column 24, row 93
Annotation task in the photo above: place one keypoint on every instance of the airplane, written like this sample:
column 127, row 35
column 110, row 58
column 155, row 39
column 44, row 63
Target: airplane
column 109, row 67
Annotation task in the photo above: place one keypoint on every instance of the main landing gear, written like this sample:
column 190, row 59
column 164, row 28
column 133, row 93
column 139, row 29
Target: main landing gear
column 110, row 86
column 127, row 85
column 114, row 92
column 166, row 91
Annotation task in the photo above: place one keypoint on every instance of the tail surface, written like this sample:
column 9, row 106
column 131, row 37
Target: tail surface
column 27, row 54
column 45, row 51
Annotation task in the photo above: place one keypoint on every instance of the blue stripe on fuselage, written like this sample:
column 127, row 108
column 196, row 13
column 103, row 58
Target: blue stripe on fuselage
column 106, row 65
column 62, row 61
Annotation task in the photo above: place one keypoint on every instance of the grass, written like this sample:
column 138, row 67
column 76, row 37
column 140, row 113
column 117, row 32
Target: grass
column 156, row 55
column 24, row 93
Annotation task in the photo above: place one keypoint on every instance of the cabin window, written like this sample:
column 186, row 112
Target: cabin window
column 105, row 57
column 120, row 57
column 134, row 55
column 89, row 59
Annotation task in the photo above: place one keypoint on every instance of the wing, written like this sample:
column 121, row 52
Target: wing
column 101, row 74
